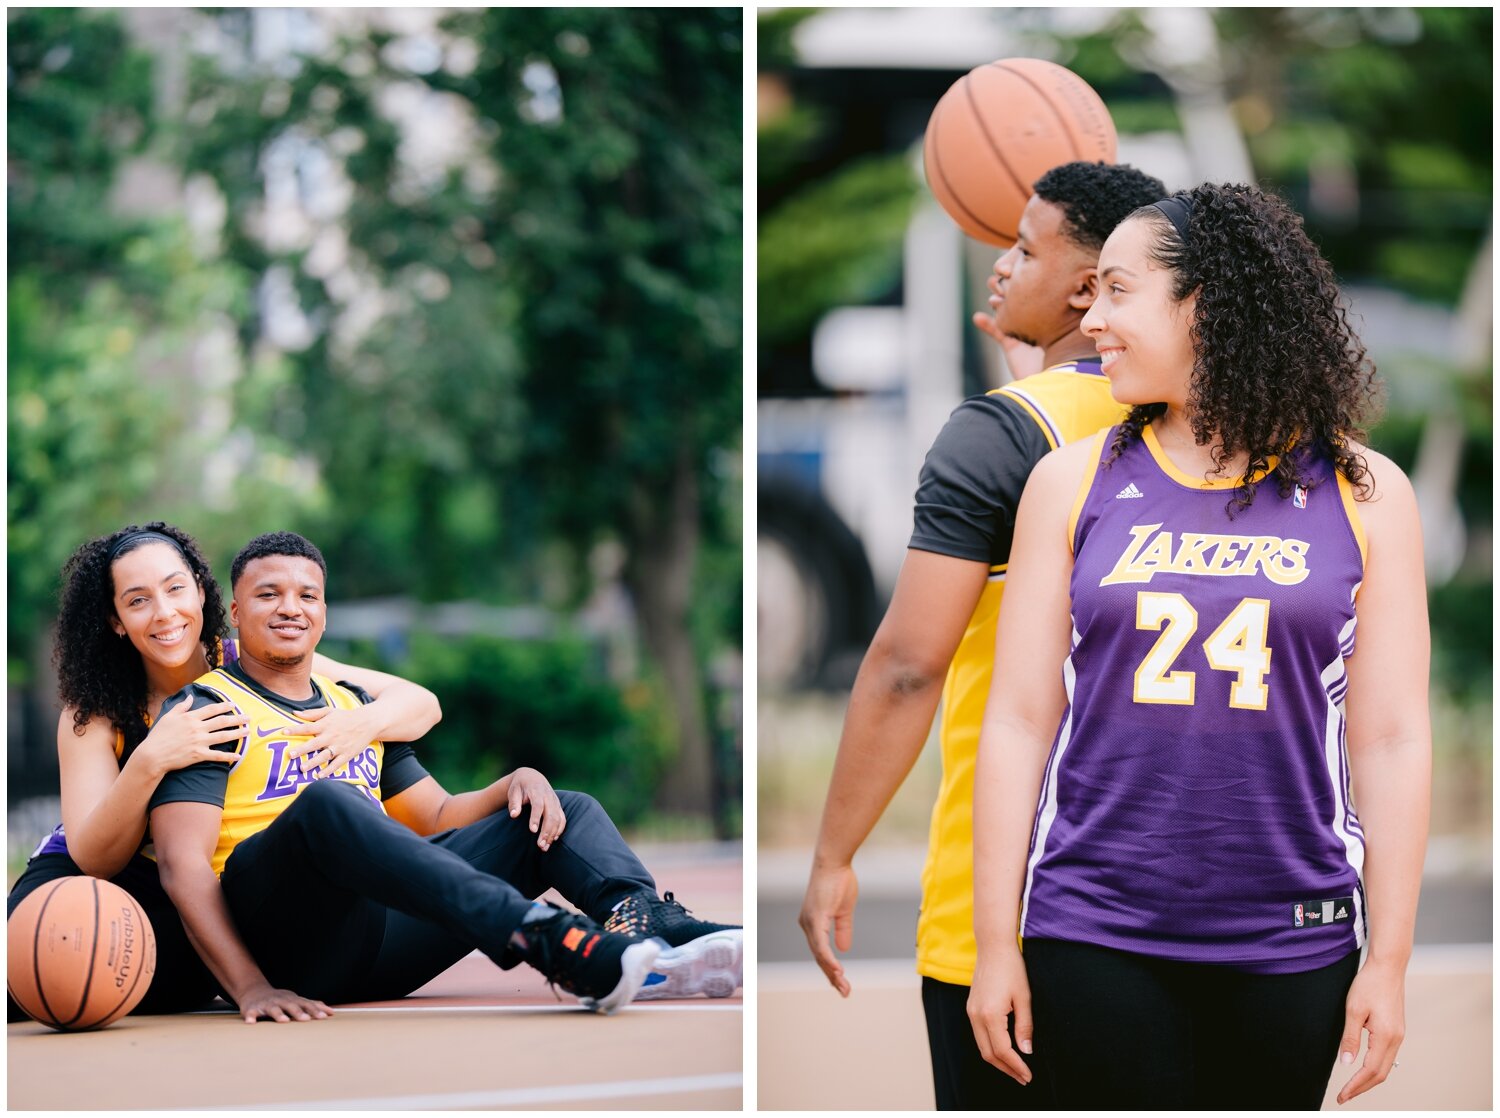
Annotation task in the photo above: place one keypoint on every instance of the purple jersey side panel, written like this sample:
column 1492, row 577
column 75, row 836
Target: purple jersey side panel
column 54, row 843
column 1196, row 803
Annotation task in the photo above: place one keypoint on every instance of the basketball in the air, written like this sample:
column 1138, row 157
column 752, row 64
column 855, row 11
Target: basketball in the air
column 1001, row 127
column 82, row 953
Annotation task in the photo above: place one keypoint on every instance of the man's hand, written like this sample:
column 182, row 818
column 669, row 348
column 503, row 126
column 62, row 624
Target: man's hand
column 1022, row 359
column 832, row 893
column 547, row 818
column 263, row 1000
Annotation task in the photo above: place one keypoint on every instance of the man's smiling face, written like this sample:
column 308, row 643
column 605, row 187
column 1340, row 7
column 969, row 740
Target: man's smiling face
column 278, row 609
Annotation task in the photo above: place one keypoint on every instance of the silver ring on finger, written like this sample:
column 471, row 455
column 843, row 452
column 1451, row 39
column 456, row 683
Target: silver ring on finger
column 1395, row 1064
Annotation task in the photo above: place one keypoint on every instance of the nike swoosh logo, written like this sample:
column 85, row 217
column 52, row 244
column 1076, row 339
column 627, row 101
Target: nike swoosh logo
column 267, row 733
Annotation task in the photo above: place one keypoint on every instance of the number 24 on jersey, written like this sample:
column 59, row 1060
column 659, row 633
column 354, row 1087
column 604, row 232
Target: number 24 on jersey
column 1238, row 645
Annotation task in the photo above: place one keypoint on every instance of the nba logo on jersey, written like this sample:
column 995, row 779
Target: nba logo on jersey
column 1297, row 916
column 1299, row 498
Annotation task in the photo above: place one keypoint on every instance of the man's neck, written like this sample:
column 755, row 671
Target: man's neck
column 291, row 681
column 1072, row 346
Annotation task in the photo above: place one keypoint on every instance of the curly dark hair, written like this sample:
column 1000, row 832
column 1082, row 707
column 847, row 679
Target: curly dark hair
column 1096, row 197
column 98, row 672
column 275, row 543
column 1277, row 369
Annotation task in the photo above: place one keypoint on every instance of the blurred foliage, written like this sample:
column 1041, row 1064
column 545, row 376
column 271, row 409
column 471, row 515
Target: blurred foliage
column 109, row 419
column 545, row 704
column 831, row 242
column 774, row 29
column 1391, row 106
column 836, row 242
column 1460, row 612
column 472, row 311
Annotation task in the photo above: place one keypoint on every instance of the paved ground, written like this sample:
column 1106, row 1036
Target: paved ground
column 474, row 1038
column 819, row 1051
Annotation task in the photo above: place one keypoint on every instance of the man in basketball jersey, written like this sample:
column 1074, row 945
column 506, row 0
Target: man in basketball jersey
column 938, row 635
column 303, row 880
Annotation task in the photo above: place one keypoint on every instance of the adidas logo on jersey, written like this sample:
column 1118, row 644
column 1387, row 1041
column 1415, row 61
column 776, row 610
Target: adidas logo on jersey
column 1129, row 491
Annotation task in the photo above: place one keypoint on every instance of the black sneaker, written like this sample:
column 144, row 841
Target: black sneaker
column 641, row 914
column 704, row 958
column 604, row 968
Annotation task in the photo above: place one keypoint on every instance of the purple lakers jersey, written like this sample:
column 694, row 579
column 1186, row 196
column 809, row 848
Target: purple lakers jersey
column 1196, row 804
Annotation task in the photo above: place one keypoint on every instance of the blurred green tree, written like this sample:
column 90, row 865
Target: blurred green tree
column 524, row 347
column 112, row 407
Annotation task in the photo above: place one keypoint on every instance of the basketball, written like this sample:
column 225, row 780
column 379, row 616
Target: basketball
column 1001, row 127
column 82, row 953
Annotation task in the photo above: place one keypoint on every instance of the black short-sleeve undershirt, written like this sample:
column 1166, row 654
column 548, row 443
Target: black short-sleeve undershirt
column 973, row 477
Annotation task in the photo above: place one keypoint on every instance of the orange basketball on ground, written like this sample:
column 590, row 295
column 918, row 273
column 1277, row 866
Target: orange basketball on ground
column 82, row 953
column 1001, row 127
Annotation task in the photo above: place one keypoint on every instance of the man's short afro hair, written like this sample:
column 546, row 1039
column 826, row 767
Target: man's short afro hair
column 1095, row 197
column 275, row 543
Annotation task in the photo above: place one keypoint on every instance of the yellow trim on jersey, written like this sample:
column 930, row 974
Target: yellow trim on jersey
column 1168, row 468
column 1079, row 404
column 1085, row 485
column 1031, row 410
column 1351, row 510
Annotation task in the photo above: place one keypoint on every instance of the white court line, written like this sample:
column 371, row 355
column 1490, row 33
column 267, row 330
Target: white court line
column 520, row 1096
column 340, row 1010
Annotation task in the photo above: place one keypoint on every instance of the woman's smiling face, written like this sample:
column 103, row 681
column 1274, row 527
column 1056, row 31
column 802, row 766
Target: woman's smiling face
column 158, row 604
column 1143, row 334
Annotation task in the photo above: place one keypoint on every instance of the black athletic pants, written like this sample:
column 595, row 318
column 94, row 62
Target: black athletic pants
column 1120, row 1031
column 181, row 982
column 338, row 901
column 960, row 1077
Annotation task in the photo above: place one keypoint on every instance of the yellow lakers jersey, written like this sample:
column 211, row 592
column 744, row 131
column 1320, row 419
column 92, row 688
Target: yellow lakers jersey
column 1067, row 402
column 265, row 780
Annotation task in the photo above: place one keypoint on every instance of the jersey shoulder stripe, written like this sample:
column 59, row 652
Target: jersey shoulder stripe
column 1086, row 483
column 1351, row 510
column 1066, row 402
column 1033, row 407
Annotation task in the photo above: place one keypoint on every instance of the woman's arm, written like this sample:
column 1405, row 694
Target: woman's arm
column 1026, row 702
column 402, row 710
column 1390, row 761
column 331, row 737
column 103, row 804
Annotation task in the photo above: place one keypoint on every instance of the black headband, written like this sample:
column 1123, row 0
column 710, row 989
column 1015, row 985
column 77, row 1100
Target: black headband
column 1177, row 209
column 130, row 538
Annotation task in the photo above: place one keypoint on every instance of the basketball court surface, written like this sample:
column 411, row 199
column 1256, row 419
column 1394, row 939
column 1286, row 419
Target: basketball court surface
column 476, row 1037
column 819, row 1051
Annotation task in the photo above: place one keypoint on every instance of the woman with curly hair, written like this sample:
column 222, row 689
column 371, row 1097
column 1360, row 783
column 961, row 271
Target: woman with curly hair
column 1217, row 645
column 141, row 617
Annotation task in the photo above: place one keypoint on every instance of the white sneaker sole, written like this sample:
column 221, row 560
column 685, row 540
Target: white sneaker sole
column 712, row 965
column 635, row 965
